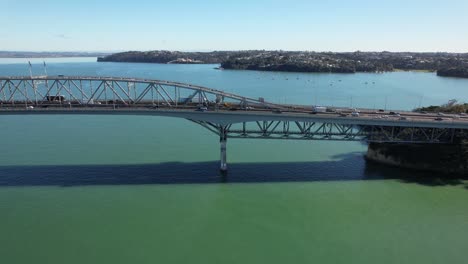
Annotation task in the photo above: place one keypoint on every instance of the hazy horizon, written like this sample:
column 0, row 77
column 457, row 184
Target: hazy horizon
column 318, row 51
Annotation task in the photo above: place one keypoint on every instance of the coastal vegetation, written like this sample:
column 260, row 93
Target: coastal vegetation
column 451, row 106
column 461, row 72
column 163, row 56
column 446, row 64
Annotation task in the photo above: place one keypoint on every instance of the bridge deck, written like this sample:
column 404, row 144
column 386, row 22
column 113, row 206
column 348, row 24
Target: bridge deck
column 225, row 114
column 239, row 116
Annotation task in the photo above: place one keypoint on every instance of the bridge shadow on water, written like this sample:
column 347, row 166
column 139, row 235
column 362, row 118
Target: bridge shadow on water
column 349, row 167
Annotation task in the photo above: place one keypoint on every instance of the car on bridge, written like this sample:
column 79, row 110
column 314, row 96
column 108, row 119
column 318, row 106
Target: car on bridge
column 54, row 98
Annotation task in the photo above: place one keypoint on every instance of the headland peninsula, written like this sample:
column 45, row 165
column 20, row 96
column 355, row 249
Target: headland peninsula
column 445, row 64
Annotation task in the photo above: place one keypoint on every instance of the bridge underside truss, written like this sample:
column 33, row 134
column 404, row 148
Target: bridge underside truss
column 331, row 131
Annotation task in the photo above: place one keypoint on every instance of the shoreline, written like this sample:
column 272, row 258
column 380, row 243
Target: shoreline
column 415, row 70
column 228, row 69
column 307, row 61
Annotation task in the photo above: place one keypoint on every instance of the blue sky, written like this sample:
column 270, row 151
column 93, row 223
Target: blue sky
column 325, row 25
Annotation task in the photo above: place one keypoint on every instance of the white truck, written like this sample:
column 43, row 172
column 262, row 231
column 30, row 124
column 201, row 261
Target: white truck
column 319, row 109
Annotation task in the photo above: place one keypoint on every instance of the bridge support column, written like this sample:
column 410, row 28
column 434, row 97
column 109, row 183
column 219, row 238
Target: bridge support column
column 223, row 143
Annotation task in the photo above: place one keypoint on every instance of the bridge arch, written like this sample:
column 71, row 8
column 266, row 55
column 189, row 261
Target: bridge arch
column 86, row 90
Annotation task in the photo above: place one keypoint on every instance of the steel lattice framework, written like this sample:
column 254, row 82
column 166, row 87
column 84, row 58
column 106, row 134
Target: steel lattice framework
column 111, row 95
column 286, row 130
column 84, row 91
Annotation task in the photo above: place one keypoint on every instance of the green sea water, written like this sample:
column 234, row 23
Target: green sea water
column 127, row 189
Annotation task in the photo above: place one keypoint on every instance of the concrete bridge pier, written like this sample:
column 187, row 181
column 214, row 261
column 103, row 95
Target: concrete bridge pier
column 223, row 144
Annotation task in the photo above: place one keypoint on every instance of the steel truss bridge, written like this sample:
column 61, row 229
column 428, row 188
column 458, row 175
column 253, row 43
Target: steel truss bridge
column 225, row 114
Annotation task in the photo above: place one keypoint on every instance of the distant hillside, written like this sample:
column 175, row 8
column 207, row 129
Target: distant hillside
column 304, row 61
column 170, row 57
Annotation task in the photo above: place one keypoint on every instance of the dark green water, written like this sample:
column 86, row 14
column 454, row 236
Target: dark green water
column 100, row 189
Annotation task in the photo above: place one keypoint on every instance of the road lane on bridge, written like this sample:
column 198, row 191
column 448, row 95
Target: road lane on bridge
column 225, row 116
